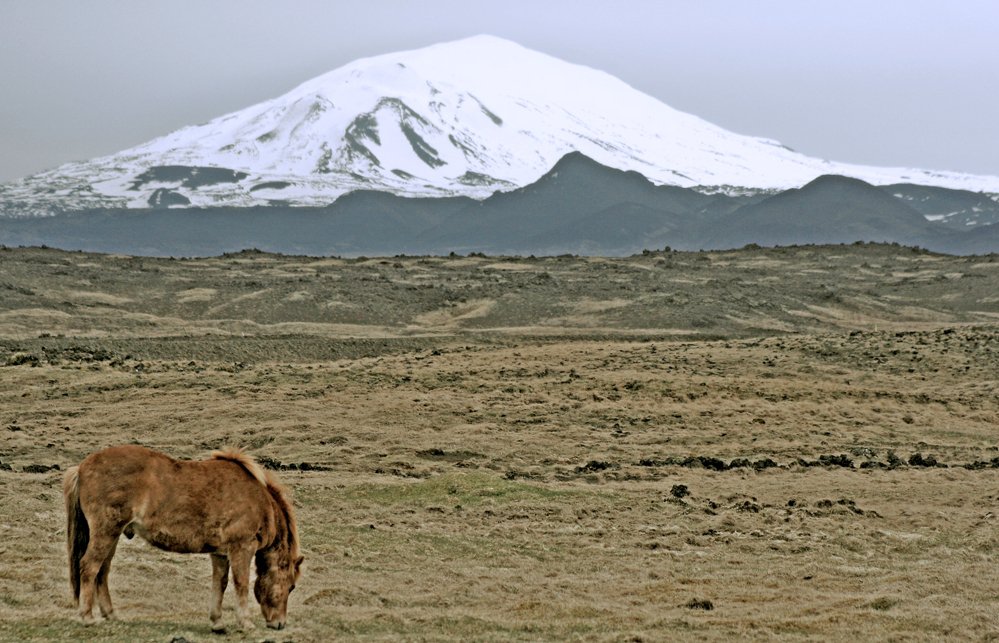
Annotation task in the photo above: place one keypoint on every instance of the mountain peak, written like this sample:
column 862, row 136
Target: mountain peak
column 828, row 180
column 581, row 167
column 479, row 43
column 841, row 191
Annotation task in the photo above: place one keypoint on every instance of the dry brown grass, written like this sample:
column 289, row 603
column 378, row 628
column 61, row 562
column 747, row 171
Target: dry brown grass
column 501, row 486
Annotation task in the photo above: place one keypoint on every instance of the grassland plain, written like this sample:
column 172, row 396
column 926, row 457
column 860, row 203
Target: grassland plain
column 797, row 443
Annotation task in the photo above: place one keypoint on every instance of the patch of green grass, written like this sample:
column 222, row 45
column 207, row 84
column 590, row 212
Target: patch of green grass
column 883, row 603
column 9, row 600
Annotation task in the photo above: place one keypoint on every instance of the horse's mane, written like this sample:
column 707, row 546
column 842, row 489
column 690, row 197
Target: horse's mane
column 271, row 483
column 280, row 494
column 245, row 460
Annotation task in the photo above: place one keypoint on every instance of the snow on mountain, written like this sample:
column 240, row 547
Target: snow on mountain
column 462, row 118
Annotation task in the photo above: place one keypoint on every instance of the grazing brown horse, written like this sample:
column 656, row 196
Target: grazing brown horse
column 227, row 506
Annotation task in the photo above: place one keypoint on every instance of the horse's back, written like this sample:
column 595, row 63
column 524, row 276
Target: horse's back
column 134, row 468
column 118, row 466
column 124, row 453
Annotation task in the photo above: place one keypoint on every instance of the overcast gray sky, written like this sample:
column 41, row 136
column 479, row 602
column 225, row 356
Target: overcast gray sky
column 884, row 82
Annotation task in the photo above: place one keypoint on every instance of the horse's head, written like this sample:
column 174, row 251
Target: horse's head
column 277, row 573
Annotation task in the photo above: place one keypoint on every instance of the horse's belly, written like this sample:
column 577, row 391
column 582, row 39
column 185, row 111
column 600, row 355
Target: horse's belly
column 170, row 540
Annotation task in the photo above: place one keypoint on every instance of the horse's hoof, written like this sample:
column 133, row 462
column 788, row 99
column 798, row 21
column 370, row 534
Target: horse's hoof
column 218, row 628
column 87, row 620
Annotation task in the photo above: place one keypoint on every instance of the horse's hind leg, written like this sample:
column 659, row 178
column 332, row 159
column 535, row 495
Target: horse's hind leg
column 103, row 591
column 94, row 562
column 220, row 579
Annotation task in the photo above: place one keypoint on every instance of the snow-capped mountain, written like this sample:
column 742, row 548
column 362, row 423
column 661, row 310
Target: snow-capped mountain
column 462, row 118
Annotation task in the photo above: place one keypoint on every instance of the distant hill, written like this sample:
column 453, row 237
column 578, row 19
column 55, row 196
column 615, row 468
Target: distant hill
column 830, row 209
column 559, row 212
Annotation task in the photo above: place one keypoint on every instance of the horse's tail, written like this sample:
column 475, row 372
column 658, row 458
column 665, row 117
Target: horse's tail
column 77, row 528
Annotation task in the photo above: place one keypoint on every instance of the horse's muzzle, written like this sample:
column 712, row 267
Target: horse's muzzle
column 276, row 625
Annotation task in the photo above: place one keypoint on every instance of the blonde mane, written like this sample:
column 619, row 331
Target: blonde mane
column 245, row 460
column 280, row 494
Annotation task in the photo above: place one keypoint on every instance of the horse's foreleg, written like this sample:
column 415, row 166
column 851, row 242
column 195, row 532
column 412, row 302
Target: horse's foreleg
column 103, row 590
column 240, row 559
column 220, row 579
column 99, row 552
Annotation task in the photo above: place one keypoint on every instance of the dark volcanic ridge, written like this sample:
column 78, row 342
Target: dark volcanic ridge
column 578, row 207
